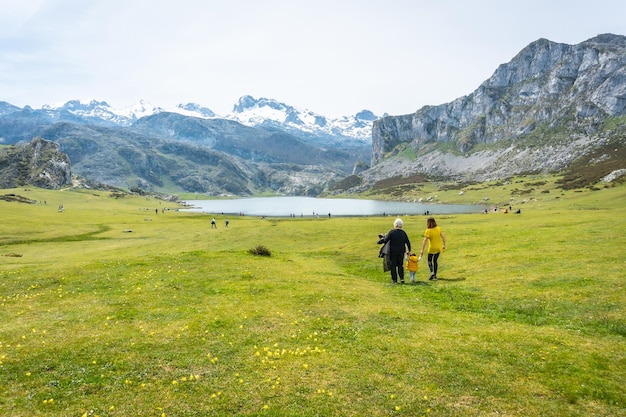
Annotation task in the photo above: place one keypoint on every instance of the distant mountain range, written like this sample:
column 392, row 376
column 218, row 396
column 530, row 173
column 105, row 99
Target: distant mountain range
column 247, row 111
column 262, row 145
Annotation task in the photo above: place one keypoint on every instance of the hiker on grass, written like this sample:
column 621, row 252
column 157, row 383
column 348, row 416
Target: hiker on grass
column 436, row 244
column 213, row 224
column 398, row 240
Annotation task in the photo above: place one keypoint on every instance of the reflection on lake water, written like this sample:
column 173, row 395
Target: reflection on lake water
column 310, row 206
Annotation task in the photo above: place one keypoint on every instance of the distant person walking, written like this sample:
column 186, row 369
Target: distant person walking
column 398, row 241
column 213, row 224
column 226, row 223
column 436, row 244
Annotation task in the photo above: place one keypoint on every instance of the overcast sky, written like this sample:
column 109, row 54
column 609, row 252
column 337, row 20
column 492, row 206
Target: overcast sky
column 333, row 57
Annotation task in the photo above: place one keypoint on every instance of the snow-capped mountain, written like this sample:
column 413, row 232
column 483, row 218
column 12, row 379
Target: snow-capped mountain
column 252, row 112
column 100, row 112
column 247, row 111
column 7, row 108
column 190, row 148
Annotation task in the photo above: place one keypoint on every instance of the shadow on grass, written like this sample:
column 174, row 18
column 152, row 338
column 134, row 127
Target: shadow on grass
column 429, row 283
column 451, row 279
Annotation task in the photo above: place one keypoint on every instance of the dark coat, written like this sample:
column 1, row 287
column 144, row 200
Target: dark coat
column 398, row 240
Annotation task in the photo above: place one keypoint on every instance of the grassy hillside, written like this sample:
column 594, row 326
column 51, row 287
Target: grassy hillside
column 126, row 306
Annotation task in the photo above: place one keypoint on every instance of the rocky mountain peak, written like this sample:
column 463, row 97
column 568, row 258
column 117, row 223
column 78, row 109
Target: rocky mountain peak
column 607, row 39
column 7, row 108
column 40, row 163
column 366, row 115
column 249, row 103
column 195, row 109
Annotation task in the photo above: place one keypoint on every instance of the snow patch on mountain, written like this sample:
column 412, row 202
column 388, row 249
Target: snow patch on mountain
column 194, row 110
column 141, row 109
column 94, row 110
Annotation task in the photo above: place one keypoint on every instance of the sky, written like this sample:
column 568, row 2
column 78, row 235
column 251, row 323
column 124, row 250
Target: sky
column 332, row 57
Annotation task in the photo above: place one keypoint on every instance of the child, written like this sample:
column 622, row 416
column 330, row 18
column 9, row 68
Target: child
column 411, row 265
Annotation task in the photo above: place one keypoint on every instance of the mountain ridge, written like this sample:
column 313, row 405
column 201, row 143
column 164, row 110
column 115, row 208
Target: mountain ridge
column 247, row 110
column 191, row 148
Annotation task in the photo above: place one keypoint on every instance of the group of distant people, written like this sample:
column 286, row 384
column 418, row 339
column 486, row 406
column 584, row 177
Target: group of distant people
column 505, row 210
column 214, row 223
column 397, row 251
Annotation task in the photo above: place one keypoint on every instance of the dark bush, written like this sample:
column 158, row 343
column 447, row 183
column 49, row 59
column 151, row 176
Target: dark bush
column 348, row 182
column 260, row 250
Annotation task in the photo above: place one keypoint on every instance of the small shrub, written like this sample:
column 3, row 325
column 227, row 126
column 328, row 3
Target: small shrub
column 348, row 182
column 260, row 250
column 399, row 180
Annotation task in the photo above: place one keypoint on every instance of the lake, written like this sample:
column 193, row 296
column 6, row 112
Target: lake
column 310, row 206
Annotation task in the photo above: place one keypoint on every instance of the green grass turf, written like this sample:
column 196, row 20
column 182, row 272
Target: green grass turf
column 111, row 309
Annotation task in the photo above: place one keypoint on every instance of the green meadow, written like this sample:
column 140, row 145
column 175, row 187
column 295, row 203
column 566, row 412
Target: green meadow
column 110, row 308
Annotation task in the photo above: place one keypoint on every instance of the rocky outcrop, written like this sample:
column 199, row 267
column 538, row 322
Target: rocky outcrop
column 567, row 89
column 39, row 163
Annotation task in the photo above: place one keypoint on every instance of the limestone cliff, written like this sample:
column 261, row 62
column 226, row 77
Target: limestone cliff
column 547, row 88
column 39, row 163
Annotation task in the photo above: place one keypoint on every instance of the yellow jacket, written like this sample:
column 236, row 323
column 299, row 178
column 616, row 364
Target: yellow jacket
column 411, row 263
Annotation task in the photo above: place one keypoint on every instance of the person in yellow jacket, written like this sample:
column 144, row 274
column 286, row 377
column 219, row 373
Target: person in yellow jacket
column 436, row 244
column 411, row 265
